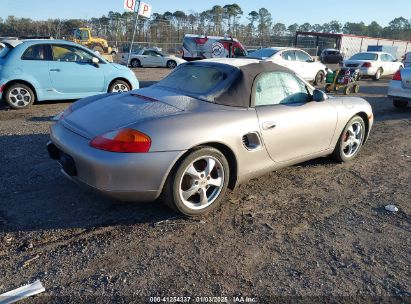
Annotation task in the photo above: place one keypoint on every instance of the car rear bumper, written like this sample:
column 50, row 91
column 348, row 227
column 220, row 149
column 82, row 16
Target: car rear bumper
column 368, row 71
column 122, row 176
column 398, row 92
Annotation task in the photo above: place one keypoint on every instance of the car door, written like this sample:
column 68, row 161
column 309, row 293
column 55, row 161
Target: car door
column 394, row 64
column 158, row 59
column 73, row 74
column 308, row 67
column 292, row 126
column 385, row 64
column 288, row 59
column 35, row 64
column 149, row 58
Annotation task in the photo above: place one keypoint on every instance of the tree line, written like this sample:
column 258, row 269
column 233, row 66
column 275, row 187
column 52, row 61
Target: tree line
column 255, row 28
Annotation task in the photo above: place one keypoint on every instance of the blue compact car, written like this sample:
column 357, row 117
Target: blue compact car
column 39, row 70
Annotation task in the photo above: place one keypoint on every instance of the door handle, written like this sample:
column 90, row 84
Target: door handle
column 268, row 125
column 55, row 70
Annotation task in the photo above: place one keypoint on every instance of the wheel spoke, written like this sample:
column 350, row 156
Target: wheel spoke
column 190, row 192
column 193, row 172
column 356, row 141
column 350, row 149
column 357, row 130
column 345, row 144
column 203, row 197
column 351, row 130
column 216, row 182
column 210, row 166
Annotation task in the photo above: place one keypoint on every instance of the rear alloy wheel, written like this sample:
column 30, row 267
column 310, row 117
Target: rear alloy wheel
column 19, row 96
column 135, row 63
column 400, row 103
column 199, row 183
column 378, row 74
column 347, row 90
column 351, row 140
column 319, row 78
column 119, row 86
column 171, row 64
column 356, row 88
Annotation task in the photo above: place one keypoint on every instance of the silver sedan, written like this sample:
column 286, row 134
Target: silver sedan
column 208, row 126
column 399, row 90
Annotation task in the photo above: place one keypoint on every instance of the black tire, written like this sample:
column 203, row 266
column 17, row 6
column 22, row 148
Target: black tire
column 319, row 78
column 171, row 64
column 119, row 86
column 329, row 88
column 180, row 179
column 400, row 103
column 339, row 153
column 347, row 90
column 135, row 63
column 378, row 75
column 19, row 96
column 356, row 88
column 98, row 48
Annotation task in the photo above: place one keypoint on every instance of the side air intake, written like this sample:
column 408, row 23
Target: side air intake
column 252, row 141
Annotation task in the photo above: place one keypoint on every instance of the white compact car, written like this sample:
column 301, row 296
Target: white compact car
column 374, row 64
column 294, row 59
column 151, row 58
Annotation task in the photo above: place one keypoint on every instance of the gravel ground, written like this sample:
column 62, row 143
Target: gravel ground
column 314, row 230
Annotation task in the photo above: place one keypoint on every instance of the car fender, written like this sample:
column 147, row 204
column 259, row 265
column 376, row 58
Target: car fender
column 112, row 74
column 32, row 81
column 348, row 107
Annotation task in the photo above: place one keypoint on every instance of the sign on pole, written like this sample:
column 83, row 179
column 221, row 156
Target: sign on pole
column 144, row 10
column 130, row 5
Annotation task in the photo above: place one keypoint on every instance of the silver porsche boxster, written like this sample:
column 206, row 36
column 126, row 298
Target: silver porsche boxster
column 208, row 126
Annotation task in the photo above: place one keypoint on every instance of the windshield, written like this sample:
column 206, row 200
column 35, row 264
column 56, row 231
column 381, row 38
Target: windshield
column 263, row 53
column 197, row 80
column 364, row 56
column 4, row 50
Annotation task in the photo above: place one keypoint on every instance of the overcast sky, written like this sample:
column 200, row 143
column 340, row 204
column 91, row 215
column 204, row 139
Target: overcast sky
column 288, row 12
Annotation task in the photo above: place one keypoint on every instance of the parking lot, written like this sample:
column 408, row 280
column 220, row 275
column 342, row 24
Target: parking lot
column 315, row 229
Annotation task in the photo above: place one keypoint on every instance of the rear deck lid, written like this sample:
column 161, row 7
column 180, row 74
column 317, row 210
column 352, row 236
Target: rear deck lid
column 116, row 111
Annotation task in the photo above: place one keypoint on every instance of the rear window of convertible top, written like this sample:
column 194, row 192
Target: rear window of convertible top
column 196, row 80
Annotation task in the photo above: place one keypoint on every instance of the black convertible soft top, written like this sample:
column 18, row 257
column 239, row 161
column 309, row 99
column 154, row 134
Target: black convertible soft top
column 233, row 90
column 238, row 93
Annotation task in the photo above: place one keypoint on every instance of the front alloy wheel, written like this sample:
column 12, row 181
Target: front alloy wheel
column 199, row 182
column 351, row 140
column 119, row 86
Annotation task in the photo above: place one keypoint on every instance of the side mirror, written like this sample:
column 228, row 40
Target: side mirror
column 319, row 96
column 95, row 61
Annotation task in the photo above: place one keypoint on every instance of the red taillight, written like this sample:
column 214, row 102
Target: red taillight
column 367, row 65
column 2, row 88
column 397, row 76
column 123, row 141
